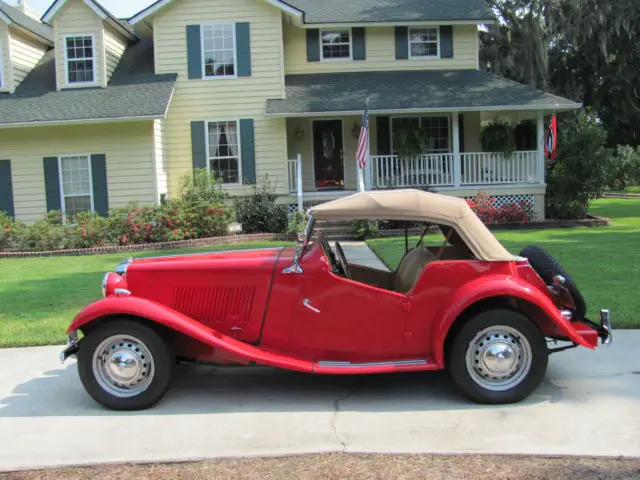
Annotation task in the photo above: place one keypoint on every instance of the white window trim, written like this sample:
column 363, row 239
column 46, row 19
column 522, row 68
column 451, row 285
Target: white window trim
column 345, row 59
column 93, row 58
column 61, row 183
column 209, row 158
column 235, row 52
column 424, row 57
column 420, row 115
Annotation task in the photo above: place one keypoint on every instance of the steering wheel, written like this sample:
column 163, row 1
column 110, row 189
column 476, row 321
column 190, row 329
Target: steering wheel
column 343, row 261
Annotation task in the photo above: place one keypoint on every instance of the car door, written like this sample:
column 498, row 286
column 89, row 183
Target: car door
column 346, row 320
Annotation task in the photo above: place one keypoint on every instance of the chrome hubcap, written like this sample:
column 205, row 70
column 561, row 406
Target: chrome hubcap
column 123, row 366
column 498, row 358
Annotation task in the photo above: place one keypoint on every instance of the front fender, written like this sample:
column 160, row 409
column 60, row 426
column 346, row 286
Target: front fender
column 499, row 286
column 163, row 315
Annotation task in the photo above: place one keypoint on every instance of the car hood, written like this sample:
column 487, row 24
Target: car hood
column 239, row 257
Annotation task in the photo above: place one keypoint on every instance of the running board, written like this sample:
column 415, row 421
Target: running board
column 338, row 367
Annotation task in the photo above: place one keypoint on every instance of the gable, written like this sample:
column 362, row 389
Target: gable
column 160, row 4
column 102, row 13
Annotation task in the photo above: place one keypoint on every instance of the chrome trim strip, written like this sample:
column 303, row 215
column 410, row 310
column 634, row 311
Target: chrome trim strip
column 210, row 253
column 121, row 292
column 398, row 363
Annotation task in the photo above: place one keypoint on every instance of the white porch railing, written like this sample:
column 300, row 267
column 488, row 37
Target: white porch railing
column 294, row 168
column 439, row 170
column 498, row 168
column 390, row 171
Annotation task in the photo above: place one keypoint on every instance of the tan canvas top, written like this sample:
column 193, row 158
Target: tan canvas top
column 418, row 206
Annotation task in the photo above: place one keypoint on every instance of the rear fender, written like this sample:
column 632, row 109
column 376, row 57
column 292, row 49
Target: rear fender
column 500, row 286
column 162, row 315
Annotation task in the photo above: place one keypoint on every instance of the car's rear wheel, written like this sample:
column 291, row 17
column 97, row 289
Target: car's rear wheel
column 499, row 356
column 125, row 365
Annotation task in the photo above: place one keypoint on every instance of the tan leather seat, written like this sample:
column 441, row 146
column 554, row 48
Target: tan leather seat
column 410, row 268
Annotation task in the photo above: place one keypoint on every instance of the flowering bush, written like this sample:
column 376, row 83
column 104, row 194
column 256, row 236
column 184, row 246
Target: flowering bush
column 485, row 208
column 199, row 213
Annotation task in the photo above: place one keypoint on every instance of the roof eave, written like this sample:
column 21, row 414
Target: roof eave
column 487, row 21
column 82, row 121
column 48, row 41
column 491, row 108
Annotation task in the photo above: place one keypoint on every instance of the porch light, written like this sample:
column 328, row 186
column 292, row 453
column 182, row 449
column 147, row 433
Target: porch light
column 355, row 131
column 300, row 133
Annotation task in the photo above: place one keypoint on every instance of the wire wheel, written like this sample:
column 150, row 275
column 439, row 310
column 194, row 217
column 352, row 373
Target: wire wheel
column 498, row 358
column 123, row 366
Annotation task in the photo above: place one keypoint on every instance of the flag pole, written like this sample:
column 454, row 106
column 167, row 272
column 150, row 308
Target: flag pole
column 361, row 170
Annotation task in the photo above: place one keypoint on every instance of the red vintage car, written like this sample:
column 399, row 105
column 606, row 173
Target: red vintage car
column 465, row 304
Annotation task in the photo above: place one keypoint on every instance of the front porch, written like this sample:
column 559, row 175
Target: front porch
column 450, row 152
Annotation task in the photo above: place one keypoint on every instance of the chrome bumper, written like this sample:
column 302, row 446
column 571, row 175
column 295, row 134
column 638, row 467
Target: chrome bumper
column 605, row 323
column 72, row 347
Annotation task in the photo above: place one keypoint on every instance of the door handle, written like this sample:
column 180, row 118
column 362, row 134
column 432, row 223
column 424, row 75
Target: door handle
column 307, row 303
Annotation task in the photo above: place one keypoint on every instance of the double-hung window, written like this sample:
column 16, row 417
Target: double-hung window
column 79, row 52
column 424, row 42
column 224, row 153
column 434, row 131
column 335, row 44
column 75, row 184
column 219, row 50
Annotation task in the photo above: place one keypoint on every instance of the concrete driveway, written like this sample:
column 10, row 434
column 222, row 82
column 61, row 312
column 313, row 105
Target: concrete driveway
column 589, row 404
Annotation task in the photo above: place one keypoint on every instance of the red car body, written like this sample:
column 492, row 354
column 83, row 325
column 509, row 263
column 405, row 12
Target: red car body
column 250, row 307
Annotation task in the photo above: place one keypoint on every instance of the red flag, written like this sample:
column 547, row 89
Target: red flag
column 551, row 140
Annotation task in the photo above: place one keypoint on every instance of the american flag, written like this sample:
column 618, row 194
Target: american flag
column 363, row 142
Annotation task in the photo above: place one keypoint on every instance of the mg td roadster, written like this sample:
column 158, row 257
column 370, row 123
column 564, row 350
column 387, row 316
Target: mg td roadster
column 464, row 304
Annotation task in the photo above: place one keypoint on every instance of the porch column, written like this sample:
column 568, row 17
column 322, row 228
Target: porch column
column 455, row 139
column 540, row 136
column 299, row 182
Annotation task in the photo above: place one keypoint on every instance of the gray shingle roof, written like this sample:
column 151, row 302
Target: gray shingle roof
column 354, row 11
column 41, row 29
column 134, row 91
column 405, row 90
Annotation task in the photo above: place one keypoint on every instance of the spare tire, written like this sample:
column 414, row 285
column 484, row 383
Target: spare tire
column 548, row 267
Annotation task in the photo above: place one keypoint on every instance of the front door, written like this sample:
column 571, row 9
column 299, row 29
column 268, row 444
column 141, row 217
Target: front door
column 327, row 154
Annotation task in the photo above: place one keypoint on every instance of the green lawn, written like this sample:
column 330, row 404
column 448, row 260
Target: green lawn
column 603, row 261
column 40, row 296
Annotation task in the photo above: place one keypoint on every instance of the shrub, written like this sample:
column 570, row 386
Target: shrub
column 9, row 230
column 259, row 212
column 297, row 222
column 623, row 168
column 365, row 228
column 485, row 208
column 86, row 230
column 44, row 235
column 579, row 174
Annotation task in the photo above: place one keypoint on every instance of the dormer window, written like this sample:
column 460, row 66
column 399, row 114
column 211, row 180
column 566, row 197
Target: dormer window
column 80, row 59
column 335, row 44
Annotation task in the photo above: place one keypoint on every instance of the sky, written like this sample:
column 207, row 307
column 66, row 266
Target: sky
column 120, row 8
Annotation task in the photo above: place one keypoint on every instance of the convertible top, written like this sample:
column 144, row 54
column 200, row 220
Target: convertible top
column 418, row 206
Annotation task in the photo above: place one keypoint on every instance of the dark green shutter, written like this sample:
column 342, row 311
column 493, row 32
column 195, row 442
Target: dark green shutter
column 461, row 131
column 446, row 41
column 313, row 45
column 247, row 151
column 359, row 44
column 99, row 180
column 402, row 43
column 6, row 188
column 52, row 183
column 383, row 135
column 198, row 145
column 243, row 49
column 194, row 51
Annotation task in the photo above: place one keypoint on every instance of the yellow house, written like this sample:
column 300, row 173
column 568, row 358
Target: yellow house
column 97, row 111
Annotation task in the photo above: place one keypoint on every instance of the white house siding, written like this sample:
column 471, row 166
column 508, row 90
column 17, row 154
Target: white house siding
column 158, row 151
column 223, row 98
column 5, row 63
column 129, row 153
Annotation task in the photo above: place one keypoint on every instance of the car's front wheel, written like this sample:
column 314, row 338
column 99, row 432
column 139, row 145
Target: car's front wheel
column 125, row 365
column 499, row 356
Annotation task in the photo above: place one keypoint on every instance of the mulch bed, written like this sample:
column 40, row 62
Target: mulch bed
column 360, row 467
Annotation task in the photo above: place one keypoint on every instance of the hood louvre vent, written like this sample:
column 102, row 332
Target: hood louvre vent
column 218, row 305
